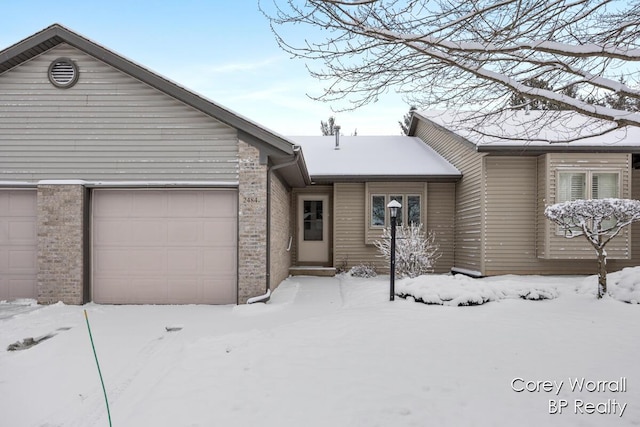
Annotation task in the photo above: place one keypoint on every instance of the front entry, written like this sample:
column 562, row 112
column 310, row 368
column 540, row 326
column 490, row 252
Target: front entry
column 313, row 229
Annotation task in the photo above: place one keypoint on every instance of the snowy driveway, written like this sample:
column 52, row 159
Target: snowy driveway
column 325, row 352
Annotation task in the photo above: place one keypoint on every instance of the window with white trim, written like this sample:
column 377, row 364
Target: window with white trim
column 410, row 213
column 585, row 186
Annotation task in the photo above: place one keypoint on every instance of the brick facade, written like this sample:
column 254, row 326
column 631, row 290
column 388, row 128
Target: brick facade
column 252, row 223
column 61, row 226
column 281, row 231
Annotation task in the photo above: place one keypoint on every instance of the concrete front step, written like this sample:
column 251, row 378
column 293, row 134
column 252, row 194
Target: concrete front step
column 312, row 271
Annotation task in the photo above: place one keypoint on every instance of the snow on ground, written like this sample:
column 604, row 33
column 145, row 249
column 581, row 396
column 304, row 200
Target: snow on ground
column 331, row 352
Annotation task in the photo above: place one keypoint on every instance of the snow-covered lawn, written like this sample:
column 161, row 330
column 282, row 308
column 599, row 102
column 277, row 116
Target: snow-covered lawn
column 334, row 352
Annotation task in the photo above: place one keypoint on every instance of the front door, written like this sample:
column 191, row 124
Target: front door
column 313, row 229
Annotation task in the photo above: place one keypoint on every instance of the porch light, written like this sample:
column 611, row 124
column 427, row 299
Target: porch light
column 394, row 206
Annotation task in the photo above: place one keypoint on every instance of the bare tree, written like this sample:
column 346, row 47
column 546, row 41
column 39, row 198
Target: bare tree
column 328, row 127
column 406, row 121
column 472, row 54
column 599, row 221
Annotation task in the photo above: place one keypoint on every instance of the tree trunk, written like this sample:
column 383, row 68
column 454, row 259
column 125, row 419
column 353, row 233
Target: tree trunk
column 602, row 273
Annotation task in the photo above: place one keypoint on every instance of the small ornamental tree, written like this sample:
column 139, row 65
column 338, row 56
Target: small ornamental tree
column 416, row 251
column 599, row 221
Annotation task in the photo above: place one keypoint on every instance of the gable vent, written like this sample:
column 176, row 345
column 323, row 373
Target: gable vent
column 63, row 73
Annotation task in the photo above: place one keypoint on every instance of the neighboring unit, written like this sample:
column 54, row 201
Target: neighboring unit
column 507, row 182
column 119, row 186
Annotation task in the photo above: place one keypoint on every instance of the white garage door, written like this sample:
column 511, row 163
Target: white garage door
column 18, row 244
column 164, row 246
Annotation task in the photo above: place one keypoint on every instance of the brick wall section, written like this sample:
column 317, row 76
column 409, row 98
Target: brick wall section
column 252, row 223
column 60, row 243
column 280, row 231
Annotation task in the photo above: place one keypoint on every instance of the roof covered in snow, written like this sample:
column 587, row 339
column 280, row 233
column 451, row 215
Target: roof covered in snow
column 373, row 158
column 535, row 130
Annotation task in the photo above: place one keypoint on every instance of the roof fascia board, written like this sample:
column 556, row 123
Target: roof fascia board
column 533, row 150
column 384, row 178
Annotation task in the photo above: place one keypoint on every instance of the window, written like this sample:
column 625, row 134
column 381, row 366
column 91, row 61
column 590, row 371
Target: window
column 378, row 208
column 313, row 230
column 587, row 185
column 409, row 213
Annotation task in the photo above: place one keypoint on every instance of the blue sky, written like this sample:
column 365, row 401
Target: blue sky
column 221, row 49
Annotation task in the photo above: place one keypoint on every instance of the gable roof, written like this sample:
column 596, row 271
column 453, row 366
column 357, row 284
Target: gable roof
column 532, row 131
column 373, row 158
column 269, row 142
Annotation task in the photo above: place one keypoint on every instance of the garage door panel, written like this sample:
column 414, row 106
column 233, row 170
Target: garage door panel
column 219, row 262
column 225, row 206
column 141, row 256
column 18, row 244
column 184, row 261
column 148, row 204
column 221, row 232
column 184, row 232
column 218, row 290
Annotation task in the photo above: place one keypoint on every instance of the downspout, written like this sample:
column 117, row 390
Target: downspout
column 267, row 295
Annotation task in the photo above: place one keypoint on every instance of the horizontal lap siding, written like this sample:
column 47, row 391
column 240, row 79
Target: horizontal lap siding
column 468, row 216
column 578, row 248
column 349, row 246
column 441, row 200
column 510, row 214
column 515, row 200
column 108, row 126
column 635, row 229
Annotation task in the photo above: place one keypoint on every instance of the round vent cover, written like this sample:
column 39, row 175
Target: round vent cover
column 63, row 72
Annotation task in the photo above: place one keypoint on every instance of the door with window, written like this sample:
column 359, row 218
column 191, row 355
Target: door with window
column 313, row 229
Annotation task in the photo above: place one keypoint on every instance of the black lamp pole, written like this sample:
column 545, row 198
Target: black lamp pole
column 393, row 206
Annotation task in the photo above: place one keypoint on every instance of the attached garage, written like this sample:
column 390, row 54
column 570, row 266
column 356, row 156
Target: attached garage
column 164, row 246
column 18, row 244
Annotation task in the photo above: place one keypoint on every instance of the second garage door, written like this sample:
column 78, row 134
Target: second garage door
column 164, row 246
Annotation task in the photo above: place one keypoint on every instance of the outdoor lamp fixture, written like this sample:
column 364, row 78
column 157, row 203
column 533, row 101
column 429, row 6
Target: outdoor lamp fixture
column 394, row 206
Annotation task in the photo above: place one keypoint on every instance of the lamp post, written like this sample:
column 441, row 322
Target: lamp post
column 394, row 206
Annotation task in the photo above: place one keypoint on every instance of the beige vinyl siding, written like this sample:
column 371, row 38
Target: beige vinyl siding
column 510, row 214
column 468, row 217
column 353, row 238
column 634, row 231
column 542, row 183
column 441, row 199
column 349, row 224
column 109, row 126
column 560, row 247
column 515, row 201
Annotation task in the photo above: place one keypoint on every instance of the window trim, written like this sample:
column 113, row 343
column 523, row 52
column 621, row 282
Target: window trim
column 588, row 185
column 404, row 210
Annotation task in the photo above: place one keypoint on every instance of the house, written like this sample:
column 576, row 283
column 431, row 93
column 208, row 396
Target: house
column 508, row 177
column 120, row 186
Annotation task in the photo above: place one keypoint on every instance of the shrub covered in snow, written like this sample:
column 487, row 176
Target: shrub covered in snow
column 465, row 291
column 599, row 221
column 363, row 270
column 416, row 251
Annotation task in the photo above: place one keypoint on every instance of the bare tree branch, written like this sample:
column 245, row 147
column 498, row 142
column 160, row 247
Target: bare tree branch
column 476, row 54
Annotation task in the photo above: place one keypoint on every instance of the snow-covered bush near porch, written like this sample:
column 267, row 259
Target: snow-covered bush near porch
column 363, row 270
column 416, row 251
column 465, row 291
